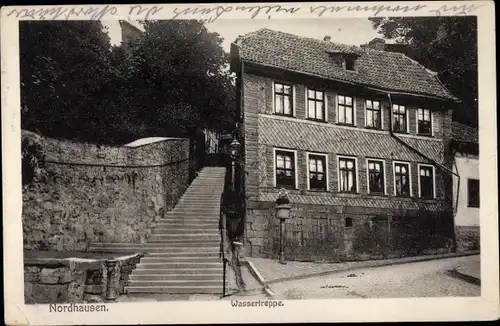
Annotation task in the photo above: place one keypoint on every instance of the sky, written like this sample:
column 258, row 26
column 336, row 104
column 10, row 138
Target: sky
column 353, row 31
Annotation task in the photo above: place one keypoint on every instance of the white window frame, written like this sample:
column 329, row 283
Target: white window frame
column 381, row 114
column 356, row 168
column 431, row 115
column 327, row 179
column 325, row 102
column 394, row 176
column 295, row 162
column 353, row 110
column 433, row 179
column 274, row 95
column 407, row 114
column 368, row 174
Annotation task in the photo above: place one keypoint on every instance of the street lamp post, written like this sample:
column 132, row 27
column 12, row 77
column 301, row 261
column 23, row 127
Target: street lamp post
column 282, row 213
column 234, row 148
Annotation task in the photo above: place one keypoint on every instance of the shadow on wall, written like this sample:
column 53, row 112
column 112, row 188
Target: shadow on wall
column 77, row 193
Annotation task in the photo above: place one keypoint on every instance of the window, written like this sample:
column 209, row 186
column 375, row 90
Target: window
column 317, row 173
column 373, row 114
column 426, row 181
column 315, row 105
column 348, row 222
column 283, row 99
column 473, row 192
column 402, row 179
column 399, row 118
column 424, row 122
column 345, row 110
column 285, row 169
column 350, row 63
column 347, row 175
column 376, row 179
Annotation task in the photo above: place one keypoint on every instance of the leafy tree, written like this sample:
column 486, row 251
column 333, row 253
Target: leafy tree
column 177, row 78
column 66, row 79
column 447, row 45
column 75, row 85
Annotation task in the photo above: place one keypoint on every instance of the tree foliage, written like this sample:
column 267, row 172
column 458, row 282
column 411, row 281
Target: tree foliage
column 75, row 85
column 447, row 45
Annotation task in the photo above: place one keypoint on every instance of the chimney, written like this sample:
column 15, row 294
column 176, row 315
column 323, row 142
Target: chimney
column 377, row 44
column 327, row 38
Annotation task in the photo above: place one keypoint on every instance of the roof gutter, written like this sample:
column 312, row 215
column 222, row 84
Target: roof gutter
column 354, row 84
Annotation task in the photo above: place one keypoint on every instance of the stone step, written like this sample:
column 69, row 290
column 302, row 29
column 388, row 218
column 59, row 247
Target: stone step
column 187, row 254
column 179, row 265
column 159, row 259
column 214, row 243
column 175, row 290
column 188, row 224
column 173, row 277
column 174, row 283
column 184, row 237
column 186, row 231
column 176, row 271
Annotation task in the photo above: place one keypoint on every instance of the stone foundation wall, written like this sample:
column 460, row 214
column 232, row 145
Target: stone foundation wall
column 335, row 233
column 468, row 238
column 92, row 193
column 71, row 280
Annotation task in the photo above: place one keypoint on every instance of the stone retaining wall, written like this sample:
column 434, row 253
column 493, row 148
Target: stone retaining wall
column 92, row 193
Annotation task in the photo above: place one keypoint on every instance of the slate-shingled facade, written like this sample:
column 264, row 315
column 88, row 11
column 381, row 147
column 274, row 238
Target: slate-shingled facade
column 287, row 143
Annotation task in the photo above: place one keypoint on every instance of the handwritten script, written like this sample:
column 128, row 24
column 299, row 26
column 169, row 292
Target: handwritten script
column 210, row 13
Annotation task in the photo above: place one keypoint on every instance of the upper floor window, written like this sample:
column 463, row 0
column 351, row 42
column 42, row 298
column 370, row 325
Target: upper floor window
column 424, row 122
column 316, row 105
column 283, row 99
column 373, row 114
column 473, row 192
column 399, row 117
column 376, row 179
column 285, row 169
column 345, row 110
column 426, row 181
column 347, row 174
column 402, row 179
column 317, row 172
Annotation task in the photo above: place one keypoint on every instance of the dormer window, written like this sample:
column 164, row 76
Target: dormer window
column 350, row 63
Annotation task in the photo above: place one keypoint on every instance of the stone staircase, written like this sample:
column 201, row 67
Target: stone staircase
column 182, row 254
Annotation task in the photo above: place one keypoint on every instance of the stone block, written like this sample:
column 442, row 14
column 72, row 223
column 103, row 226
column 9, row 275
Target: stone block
column 47, row 293
column 49, row 276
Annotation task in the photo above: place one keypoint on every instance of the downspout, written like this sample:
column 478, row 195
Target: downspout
column 442, row 167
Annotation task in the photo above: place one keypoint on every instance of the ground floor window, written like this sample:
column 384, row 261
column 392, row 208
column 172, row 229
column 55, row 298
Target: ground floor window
column 317, row 172
column 285, row 169
column 402, row 179
column 347, row 174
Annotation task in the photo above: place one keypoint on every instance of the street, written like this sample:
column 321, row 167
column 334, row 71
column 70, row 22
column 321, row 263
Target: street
column 422, row 279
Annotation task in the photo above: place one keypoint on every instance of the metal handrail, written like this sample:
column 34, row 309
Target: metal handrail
column 222, row 254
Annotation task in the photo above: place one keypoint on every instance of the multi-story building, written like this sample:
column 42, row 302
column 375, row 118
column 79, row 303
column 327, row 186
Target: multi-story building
column 358, row 136
column 465, row 146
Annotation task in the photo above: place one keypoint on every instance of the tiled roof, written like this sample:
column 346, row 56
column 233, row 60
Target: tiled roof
column 383, row 70
column 464, row 133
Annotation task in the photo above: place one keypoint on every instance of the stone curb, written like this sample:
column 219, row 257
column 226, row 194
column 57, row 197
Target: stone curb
column 255, row 272
column 466, row 277
column 346, row 269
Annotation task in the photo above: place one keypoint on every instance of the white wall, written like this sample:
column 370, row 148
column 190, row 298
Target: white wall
column 467, row 167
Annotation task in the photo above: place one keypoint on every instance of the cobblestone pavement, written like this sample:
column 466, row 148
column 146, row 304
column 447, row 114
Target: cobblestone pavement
column 272, row 271
column 420, row 279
